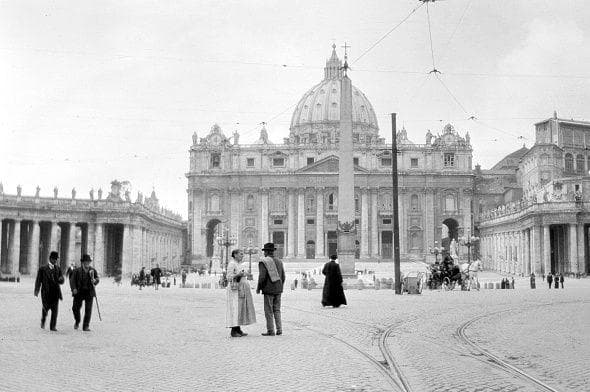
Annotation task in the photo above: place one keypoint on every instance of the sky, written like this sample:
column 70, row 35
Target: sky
column 96, row 91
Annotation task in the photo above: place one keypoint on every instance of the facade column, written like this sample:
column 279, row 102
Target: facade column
column 99, row 249
column 536, row 250
column 429, row 225
column 301, row 223
column 374, row 226
column 33, row 257
column 546, row 250
column 263, row 233
column 527, row 253
column 291, row 224
column 573, row 249
column 319, row 225
column 235, row 219
column 72, row 259
column 364, row 223
column 1, row 239
column 14, row 248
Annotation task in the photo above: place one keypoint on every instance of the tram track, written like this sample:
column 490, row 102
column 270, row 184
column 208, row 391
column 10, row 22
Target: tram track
column 495, row 360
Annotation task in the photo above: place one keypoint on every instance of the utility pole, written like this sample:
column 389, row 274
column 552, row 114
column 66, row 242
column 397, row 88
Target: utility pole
column 396, row 256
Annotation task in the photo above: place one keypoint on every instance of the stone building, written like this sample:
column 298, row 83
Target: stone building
column 542, row 226
column 120, row 235
column 288, row 193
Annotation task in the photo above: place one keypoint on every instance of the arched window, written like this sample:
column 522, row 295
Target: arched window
column 580, row 164
column 214, row 202
column 569, row 163
column 415, row 203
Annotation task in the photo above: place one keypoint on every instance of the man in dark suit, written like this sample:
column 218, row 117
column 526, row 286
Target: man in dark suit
column 82, row 283
column 156, row 273
column 49, row 277
column 271, row 280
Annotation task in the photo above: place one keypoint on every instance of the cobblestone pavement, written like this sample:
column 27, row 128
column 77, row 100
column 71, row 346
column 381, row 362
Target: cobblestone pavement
column 174, row 340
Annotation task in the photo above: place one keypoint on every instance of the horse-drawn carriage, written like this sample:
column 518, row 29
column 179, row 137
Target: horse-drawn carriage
column 447, row 275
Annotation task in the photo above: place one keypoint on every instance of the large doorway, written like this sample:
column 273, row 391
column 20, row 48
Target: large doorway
column 449, row 232
column 278, row 238
column 558, row 247
column 332, row 243
column 212, row 234
column 310, row 250
column 387, row 244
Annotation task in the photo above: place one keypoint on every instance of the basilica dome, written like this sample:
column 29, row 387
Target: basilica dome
column 316, row 118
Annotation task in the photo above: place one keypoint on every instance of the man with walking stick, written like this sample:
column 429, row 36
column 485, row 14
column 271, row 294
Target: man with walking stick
column 82, row 283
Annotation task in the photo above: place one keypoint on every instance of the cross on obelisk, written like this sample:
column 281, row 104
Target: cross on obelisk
column 346, row 208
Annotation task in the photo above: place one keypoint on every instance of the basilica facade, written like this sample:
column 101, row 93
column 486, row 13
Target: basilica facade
column 287, row 193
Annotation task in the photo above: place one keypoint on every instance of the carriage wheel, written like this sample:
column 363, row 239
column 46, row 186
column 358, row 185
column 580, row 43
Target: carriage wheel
column 446, row 283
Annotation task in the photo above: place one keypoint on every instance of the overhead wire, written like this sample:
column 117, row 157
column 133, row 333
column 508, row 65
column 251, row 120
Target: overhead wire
column 430, row 35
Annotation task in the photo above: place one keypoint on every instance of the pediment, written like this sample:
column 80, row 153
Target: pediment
column 329, row 164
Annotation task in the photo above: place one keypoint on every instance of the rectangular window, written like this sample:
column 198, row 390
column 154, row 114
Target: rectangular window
column 414, row 162
column 386, row 221
column 310, row 161
column 355, row 161
column 215, row 160
column 279, row 162
column 278, row 221
column 250, row 162
column 385, row 161
column 310, row 221
column 449, row 159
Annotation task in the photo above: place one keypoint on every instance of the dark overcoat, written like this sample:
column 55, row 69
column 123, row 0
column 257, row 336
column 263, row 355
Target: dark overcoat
column 76, row 281
column 333, row 293
column 265, row 284
column 48, row 281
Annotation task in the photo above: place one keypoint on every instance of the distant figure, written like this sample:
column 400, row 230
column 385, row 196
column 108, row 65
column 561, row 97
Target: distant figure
column 141, row 277
column 333, row 292
column 512, row 283
column 49, row 277
column 503, row 284
column 156, row 273
column 556, row 280
column 271, row 279
column 183, row 275
column 295, row 283
column 533, row 284
column 561, row 279
column 549, row 279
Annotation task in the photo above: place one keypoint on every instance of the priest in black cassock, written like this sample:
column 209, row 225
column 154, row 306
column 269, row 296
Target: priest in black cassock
column 333, row 294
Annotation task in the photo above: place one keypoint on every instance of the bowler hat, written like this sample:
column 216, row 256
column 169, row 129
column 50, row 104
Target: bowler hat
column 53, row 255
column 333, row 257
column 269, row 246
column 85, row 258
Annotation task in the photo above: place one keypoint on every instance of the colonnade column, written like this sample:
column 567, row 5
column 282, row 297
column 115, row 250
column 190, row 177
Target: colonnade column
column 263, row 217
column 33, row 256
column 291, row 224
column 364, row 223
column 546, row 250
column 578, row 266
column 374, row 227
column 72, row 259
column 14, row 247
column 127, row 257
column 197, row 240
column 0, row 238
column 301, row 223
column 99, row 249
column 573, row 249
column 319, row 224
column 53, row 236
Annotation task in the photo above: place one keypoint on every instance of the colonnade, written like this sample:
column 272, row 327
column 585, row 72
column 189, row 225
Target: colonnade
column 25, row 245
column 529, row 250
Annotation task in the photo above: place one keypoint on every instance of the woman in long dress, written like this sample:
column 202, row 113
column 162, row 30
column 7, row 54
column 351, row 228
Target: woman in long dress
column 235, row 314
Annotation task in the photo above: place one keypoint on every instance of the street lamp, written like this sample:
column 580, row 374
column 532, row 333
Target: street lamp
column 435, row 251
column 468, row 241
column 250, row 251
column 226, row 241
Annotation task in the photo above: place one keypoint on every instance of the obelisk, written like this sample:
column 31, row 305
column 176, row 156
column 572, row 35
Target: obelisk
column 346, row 213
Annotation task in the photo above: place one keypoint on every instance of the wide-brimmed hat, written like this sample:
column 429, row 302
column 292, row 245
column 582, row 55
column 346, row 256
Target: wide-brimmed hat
column 86, row 258
column 269, row 246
